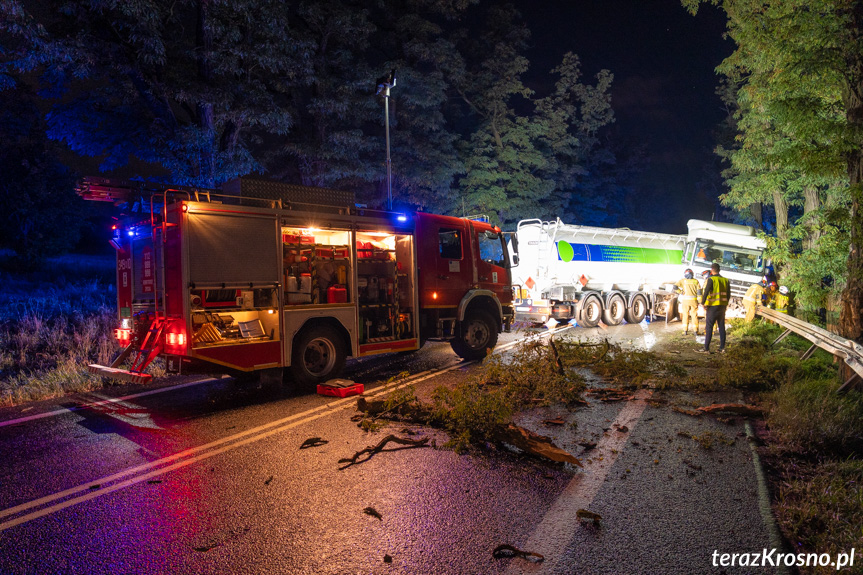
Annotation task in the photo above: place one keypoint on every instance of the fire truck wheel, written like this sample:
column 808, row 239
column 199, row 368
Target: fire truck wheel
column 613, row 314
column 638, row 311
column 477, row 334
column 318, row 355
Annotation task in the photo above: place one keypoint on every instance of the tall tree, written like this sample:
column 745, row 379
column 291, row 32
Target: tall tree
column 41, row 215
column 799, row 71
column 187, row 86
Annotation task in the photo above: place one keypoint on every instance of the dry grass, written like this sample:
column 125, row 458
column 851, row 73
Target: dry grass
column 52, row 326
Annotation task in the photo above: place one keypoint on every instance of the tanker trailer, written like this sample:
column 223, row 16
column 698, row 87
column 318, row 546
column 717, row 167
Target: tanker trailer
column 592, row 274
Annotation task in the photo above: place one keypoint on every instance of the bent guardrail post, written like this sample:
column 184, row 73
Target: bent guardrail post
column 849, row 351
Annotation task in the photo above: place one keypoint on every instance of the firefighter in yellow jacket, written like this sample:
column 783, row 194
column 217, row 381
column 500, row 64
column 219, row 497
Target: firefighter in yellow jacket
column 753, row 298
column 690, row 288
column 779, row 301
column 715, row 298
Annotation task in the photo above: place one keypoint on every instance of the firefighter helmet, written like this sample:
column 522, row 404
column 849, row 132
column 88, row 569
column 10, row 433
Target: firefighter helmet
column 783, row 290
column 687, row 273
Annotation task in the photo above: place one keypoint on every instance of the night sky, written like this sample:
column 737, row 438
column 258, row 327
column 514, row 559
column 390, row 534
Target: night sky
column 663, row 61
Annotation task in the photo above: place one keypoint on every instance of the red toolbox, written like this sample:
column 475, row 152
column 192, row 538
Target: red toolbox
column 340, row 388
column 337, row 294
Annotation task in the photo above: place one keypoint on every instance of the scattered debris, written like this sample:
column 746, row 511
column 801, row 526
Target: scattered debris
column 371, row 450
column 508, row 551
column 205, row 548
column 95, row 486
column 313, row 442
column 588, row 445
column 737, row 408
column 388, row 559
column 692, row 412
column 269, row 480
column 154, row 481
column 585, row 515
column 609, row 394
column 622, row 429
column 555, row 421
column 373, row 512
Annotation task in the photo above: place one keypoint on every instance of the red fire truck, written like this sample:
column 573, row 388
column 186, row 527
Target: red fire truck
column 262, row 276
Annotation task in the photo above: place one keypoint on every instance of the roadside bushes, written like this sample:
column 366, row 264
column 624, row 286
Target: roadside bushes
column 753, row 363
column 809, row 417
column 50, row 329
column 821, row 509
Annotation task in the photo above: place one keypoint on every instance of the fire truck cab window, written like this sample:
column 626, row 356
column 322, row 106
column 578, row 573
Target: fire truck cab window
column 491, row 249
column 450, row 244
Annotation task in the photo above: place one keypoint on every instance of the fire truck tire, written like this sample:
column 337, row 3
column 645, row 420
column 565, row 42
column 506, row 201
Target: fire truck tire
column 477, row 334
column 319, row 355
column 638, row 311
column 590, row 311
column 614, row 312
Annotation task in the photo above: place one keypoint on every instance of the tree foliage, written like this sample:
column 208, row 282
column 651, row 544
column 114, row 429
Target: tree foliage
column 197, row 92
column 796, row 78
column 41, row 215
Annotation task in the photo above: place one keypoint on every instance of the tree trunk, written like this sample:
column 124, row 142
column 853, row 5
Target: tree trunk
column 755, row 210
column 781, row 207
column 852, row 296
column 811, row 205
column 204, row 110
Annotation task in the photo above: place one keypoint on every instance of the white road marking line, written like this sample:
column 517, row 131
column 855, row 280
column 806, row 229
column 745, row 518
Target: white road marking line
column 204, row 451
column 557, row 528
column 105, row 402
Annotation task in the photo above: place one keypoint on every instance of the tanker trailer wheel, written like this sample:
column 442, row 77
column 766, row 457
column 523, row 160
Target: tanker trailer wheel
column 590, row 311
column 613, row 314
column 319, row 355
column 638, row 311
column 475, row 336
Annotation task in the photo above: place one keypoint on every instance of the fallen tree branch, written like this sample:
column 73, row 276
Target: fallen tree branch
column 736, row 408
column 506, row 551
column 533, row 443
column 371, row 450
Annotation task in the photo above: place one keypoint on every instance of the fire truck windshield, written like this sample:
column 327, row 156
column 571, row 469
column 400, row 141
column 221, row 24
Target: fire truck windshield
column 492, row 249
column 729, row 257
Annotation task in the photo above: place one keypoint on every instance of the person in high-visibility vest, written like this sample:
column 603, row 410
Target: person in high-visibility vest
column 779, row 302
column 690, row 288
column 715, row 298
column 754, row 297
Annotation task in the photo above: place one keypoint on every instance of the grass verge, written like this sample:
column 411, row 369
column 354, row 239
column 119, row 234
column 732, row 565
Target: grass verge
column 54, row 322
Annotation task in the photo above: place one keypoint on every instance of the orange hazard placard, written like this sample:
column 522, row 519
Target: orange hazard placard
column 530, row 283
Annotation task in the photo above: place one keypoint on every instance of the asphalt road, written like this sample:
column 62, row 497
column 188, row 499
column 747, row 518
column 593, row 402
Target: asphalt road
column 210, row 478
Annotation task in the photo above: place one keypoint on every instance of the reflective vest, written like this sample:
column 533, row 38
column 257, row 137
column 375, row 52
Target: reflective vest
column 754, row 293
column 690, row 288
column 780, row 303
column 719, row 289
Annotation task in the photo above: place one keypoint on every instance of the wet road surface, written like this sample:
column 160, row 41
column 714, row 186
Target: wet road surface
column 211, row 478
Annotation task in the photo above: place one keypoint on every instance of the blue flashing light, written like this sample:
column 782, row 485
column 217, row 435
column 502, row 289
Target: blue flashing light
column 402, row 218
column 131, row 233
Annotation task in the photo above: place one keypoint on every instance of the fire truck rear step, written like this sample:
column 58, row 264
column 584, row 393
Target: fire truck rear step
column 120, row 374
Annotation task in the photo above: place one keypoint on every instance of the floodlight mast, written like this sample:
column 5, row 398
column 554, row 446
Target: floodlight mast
column 384, row 85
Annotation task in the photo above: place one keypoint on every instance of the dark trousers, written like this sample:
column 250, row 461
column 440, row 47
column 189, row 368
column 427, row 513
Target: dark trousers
column 715, row 314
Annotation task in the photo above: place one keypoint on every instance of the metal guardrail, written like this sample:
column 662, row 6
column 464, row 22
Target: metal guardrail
column 850, row 351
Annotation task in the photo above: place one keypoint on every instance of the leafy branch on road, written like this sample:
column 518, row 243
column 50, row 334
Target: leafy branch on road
column 368, row 452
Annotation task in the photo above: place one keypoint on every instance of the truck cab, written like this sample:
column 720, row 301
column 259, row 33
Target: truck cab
column 737, row 249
